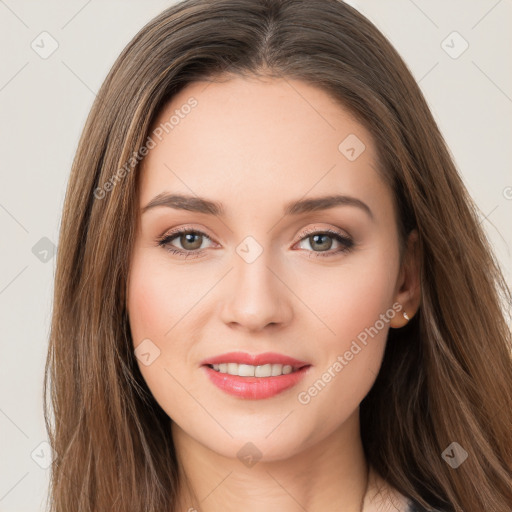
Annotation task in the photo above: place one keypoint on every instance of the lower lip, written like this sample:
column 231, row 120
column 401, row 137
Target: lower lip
column 255, row 388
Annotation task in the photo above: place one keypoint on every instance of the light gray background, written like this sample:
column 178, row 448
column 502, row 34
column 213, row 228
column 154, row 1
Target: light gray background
column 44, row 104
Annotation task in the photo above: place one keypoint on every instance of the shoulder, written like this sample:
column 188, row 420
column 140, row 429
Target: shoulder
column 382, row 497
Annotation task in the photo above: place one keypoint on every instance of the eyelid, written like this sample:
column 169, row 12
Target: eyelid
column 164, row 240
column 317, row 229
column 308, row 231
column 346, row 241
column 185, row 229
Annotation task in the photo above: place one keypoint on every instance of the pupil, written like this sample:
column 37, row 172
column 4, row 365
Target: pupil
column 189, row 240
column 327, row 245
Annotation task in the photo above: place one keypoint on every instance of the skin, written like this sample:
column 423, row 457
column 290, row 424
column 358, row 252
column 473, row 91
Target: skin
column 254, row 145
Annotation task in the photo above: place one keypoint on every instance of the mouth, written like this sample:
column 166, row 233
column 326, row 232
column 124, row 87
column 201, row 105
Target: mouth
column 254, row 376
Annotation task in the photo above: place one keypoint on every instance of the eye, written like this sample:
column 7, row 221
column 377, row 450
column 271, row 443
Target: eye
column 191, row 242
column 189, row 239
column 323, row 241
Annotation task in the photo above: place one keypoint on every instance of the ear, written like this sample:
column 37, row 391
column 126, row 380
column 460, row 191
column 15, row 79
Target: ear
column 408, row 290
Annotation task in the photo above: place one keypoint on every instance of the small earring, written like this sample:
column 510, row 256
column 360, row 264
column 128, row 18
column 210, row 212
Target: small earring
column 406, row 316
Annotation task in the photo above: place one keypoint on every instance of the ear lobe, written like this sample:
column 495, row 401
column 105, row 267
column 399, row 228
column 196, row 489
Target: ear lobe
column 400, row 319
column 408, row 293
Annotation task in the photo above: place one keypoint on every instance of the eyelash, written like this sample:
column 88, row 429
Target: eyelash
column 165, row 241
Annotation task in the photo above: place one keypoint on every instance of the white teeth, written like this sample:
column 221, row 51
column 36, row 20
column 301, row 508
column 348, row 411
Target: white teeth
column 248, row 370
column 287, row 369
column 245, row 370
column 276, row 370
column 263, row 370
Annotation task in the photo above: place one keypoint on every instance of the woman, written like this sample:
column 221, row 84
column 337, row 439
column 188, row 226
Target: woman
column 272, row 289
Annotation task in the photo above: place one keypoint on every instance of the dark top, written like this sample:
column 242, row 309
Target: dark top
column 414, row 507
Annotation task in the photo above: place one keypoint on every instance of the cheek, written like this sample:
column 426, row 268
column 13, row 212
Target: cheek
column 145, row 307
column 155, row 301
column 349, row 299
column 159, row 322
column 150, row 305
column 355, row 306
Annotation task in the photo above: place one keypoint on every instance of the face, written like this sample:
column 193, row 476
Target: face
column 255, row 271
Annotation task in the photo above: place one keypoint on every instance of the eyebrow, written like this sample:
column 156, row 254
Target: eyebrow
column 202, row 205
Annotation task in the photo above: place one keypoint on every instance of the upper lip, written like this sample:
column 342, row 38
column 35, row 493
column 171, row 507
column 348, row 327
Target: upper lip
column 255, row 360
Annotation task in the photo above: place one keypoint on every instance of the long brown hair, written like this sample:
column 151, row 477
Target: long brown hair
column 446, row 377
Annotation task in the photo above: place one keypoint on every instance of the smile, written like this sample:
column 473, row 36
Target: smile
column 254, row 377
column 248, row 370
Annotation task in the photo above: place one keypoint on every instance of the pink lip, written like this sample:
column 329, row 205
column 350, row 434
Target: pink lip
column 255, row 388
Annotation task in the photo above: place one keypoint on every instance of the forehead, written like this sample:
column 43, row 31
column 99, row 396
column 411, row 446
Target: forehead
column 252, row 140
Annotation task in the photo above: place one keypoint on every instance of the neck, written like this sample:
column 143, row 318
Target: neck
column 329, row 476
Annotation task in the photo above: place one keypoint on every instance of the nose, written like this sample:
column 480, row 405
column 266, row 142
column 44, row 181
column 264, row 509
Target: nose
column 255, row 296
